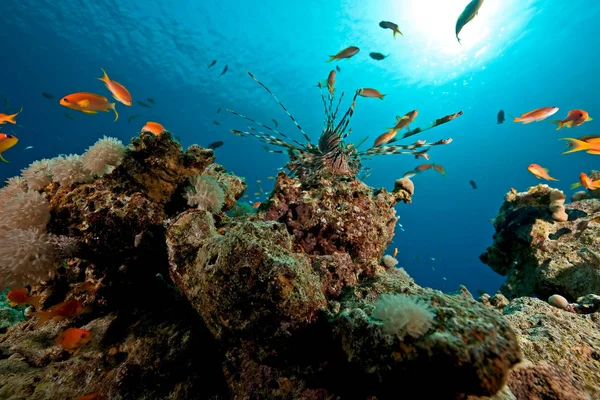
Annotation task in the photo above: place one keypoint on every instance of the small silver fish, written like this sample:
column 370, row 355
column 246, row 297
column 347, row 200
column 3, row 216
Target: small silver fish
column 28, row 147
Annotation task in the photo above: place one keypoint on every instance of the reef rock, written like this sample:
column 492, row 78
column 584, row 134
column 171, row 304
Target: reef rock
column 542, row 256
column 337, row 217
column 561, row 351
column 283, row 303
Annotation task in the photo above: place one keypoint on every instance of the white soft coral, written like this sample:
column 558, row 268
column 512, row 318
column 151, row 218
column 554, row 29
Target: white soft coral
column 106, row 152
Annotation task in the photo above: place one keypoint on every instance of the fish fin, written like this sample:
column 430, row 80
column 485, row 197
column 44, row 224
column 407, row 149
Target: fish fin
column 83, row 103
column 593, row 152
column 3, row 159
column 595, row 140
column 105, row 78
column 568, row 124
column 575, row 185
column 112, row 105
column 397, row 31
column 89, row 111
column 577, row 144
column 589, row 119
column 596, row 184
column 10, row 303
column 527, row 121
column 35, row 301
column 331, row 58
column 552, row 179
column 559, row 123
column 382, row 96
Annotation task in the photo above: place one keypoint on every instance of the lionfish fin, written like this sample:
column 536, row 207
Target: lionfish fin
column 282, row 106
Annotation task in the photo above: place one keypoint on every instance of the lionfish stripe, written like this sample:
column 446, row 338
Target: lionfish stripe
column 282, row 106
column 265, row 126
column 272, row 140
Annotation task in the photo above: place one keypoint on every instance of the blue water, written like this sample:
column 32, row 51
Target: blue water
column 516, row 55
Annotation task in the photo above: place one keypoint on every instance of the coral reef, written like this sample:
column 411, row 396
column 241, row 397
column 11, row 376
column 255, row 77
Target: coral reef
column 542, row 256
column 561, row 351
column 294, row 301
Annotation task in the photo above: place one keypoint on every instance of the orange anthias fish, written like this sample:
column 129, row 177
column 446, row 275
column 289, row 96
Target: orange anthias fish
column 574, row 118
column 392, row 26
column 89, row 103
column 10, row 118
column 346, row 53
column 153, row 127
column 586, row 182
column 60, row 311
column 405, row 120
column 539, row 114
column 119, row 92
column 591, row 144
column 368, row 92
column 331, row 81
column 73, row 338
column 6, row 142
column 256, row 205
column 540, row 172
column 384, row 138
column 423, row 167
column 395, row 252
column 19, row 297
column 93, row 396
column 439, row 168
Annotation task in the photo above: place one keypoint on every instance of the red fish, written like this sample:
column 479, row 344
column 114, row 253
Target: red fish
column 89, row 103
column 574, row 118
column 540, row 172
column 405, row 120
column 73, row 338
column 586, row 182
column 10, row 118
column 539, row 114
column 19, row 297
column 60, row 311
column 591, row 145
column 6, row 142
column 384, row 138
column 153, row 127
column 93, row 396
column 368, row 92
column 119, row 92
column 346, row 53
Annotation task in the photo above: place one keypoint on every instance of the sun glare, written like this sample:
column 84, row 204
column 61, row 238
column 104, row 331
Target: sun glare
column 429, row 28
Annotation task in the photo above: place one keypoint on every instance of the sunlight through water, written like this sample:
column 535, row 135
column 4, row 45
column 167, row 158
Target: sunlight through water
column 429, row 28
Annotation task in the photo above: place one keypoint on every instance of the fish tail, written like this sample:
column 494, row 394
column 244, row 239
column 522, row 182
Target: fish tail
column 575, row 185
column 105, row 78
column 596, row 184
column 331, row 58
column 42, row 316
column 559, row 123
column 112, row 105
column 382, row 96
column 578, row 145
column 11, row 118
column 3, row 159
column 457, row 38
column 396, row 30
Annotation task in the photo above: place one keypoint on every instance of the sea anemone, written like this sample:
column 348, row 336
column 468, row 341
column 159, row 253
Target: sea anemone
column 67, row 170
column 205, row 193
column 104, row 153
column 403, row 315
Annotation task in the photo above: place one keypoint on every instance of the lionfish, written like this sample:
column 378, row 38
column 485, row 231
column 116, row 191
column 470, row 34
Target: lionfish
column 331, row 156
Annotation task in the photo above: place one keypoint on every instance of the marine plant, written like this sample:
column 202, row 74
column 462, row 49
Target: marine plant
column 331, row 156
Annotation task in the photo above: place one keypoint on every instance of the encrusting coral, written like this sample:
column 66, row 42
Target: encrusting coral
column 290, row 301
